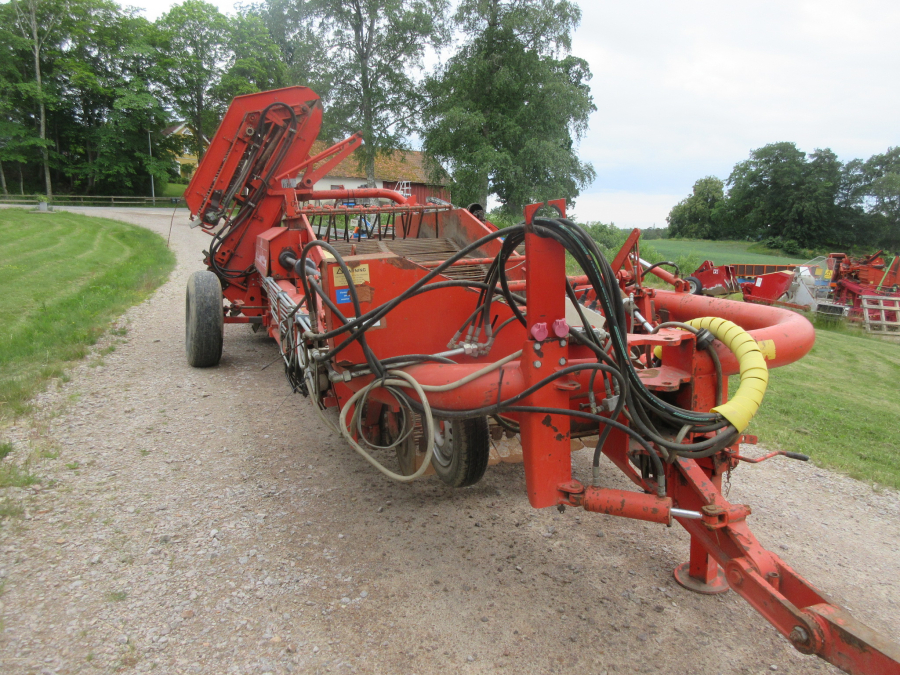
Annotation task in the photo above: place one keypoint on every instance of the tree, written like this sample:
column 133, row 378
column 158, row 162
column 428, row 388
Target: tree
column 696, row 216
column 123, row 163
column 295, row 28
column 194, row 54
column 779, row 193
column 36, row 20
column 257, row 64
column 507, row 109
column 374, row 47
column 883, row 173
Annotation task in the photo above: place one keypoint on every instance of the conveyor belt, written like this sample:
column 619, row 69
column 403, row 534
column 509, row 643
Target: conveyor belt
column 418, row 251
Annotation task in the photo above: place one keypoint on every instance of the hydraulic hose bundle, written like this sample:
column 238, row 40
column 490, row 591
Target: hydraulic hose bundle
column 657, row 425
column 262, row 157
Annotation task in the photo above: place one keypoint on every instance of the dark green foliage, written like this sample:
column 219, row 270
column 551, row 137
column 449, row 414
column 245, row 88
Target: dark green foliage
column 111, row 81
column 505, row 112
column 507, row 109
column 796, row 201
column 696, row 216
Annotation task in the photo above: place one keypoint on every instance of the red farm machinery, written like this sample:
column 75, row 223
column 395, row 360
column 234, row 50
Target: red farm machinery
column 427, row 329
column 834, row 285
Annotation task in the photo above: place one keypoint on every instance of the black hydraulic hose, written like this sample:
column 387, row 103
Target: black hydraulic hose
column 253, row 162
column 614, row 310
column 665, row 262
column 371, row 359
column 620, row 368
column 379, row 312
column 654, row 457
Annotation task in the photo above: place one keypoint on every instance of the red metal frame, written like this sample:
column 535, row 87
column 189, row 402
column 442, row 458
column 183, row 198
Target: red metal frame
column 720, row 537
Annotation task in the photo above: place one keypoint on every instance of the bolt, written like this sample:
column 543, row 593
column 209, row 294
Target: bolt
column 735, row 577
column 799, row 635
column 562, row 362
column 562, row 343
column 537, row 364
column 537, row 346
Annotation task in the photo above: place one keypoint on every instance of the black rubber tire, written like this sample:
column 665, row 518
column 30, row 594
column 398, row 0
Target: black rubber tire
column 469, row 452
column 204, row 320
column 696, row 286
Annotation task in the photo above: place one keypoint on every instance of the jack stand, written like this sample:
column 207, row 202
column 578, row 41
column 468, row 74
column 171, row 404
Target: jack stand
column 701, row 574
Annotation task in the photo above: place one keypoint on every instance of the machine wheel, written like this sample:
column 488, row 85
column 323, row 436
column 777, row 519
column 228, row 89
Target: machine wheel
column 391, row 425
column 204, row 320
column 695, row 285
column 461, row 451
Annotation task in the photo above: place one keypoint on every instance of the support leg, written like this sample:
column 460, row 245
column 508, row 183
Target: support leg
column 701, row 574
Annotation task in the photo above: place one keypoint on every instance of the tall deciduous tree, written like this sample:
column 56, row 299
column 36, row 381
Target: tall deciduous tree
column 696, row 216
column 778, row 192
column 296, row 28
column 194, row 54
column 36, row 20
column 883, row 192
column 256, row 63
column 375, row 46
column 507, row 109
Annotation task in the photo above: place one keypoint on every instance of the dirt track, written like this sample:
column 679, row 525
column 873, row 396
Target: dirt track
column 206, row 521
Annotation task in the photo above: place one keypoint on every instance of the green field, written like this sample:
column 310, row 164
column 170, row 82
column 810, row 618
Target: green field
column 720, row 252
column 839, row 405
column 63, row 278
column 174, row 190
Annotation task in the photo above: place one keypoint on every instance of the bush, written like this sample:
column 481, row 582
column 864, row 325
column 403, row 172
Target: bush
column 790, row 246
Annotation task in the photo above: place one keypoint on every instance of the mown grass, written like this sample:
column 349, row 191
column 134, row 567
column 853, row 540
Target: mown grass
column 839, row 405
column 722, row 252
column 63, row 278
column 173, row 190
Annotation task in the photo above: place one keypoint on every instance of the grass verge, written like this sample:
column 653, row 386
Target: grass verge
column 839, row 405
column 63, row 278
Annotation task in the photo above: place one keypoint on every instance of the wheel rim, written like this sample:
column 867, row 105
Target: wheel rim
column 443, row 443
column 694, row 287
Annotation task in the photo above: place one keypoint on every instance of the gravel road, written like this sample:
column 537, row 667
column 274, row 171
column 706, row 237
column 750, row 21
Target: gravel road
column 206, row 521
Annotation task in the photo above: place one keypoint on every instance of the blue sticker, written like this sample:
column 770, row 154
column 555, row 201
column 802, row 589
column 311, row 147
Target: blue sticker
column 342, row 295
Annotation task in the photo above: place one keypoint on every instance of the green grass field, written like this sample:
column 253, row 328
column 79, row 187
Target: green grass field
column 720, row 252
column 174, row 190
column 839, row 405
column 63, row 278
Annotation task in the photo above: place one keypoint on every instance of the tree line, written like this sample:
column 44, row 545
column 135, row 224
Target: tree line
column 793, row 200
column 87, row 88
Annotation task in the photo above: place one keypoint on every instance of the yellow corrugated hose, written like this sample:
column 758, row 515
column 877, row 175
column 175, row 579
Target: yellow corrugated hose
column 741, row 408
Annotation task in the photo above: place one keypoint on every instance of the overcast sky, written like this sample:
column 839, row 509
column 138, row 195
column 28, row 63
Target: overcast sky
column 686, row 89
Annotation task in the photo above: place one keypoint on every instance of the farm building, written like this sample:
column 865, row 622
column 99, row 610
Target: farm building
column 407, row 172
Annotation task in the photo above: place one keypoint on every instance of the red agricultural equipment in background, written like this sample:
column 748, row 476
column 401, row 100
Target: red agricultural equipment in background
column 855, row 278
column 433, row 327
column 716, row 279
column 834, row 285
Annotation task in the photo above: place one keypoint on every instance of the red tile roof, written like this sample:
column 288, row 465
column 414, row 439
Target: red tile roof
column 397, row 166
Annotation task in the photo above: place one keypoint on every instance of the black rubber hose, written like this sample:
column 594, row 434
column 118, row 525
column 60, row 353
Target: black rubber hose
column 665, row 262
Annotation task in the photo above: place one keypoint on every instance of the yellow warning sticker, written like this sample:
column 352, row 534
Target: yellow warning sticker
column 829, row 274
column 767, row 347
column 360, row 273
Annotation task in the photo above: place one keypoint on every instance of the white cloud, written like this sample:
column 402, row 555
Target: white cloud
column 625, row 209
column 688, row 89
